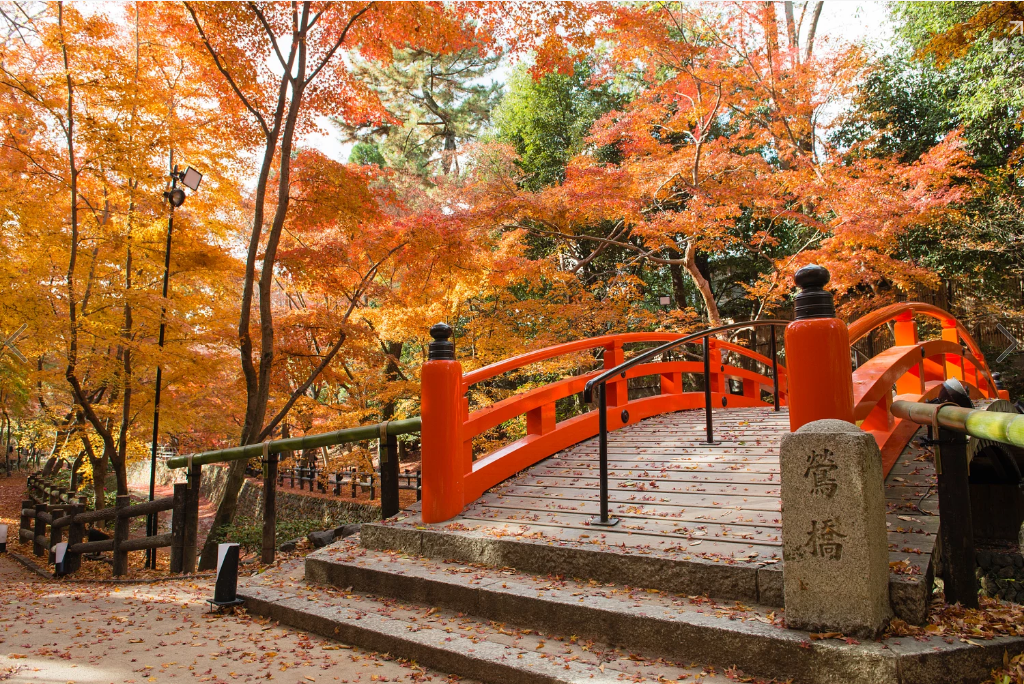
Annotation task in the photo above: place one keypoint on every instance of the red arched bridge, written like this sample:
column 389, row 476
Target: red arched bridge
column 695, row 454
column 731, row 376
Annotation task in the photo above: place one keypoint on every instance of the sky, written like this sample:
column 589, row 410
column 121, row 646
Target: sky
column 847, row 20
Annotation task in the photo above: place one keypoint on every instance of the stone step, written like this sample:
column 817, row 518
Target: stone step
column 713, row 568
column 452, row 642
column 658, row 624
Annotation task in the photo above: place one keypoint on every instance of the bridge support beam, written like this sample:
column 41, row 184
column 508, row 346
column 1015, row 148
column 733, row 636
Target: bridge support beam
column 443, row 452
column 817, row 355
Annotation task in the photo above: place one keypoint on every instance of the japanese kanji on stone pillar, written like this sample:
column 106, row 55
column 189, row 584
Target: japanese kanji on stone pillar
column 835, row 550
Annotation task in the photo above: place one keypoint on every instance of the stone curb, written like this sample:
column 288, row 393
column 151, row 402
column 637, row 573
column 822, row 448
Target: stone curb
column 755, row 647
column 32, row 567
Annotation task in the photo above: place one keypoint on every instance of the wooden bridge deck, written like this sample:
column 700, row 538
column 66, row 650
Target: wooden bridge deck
column 679, row 499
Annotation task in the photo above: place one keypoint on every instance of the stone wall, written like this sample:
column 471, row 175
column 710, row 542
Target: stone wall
column 1001, row 574
column 289, row 505
column 138, row 474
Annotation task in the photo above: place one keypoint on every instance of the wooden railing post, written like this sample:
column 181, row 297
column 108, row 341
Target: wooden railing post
column 441, row 434
column 27, row 518
column 956, row 531
column 40, row 531
column 178, row 526
column 616, row 391
column 189, row 551
column 76, row 533
column 541, row 420
column 269, row 546
column 954, row 363
column 717, row 369
column 905, row 334
column 121, row 528
column 671, row 383
column 388, row 455
column 817, row 355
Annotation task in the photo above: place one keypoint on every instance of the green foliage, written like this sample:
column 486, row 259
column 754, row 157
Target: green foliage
column 439, row 102
column 248, row 532
column 979, row 90
column 366, row 153
column 547, row 121
column 906, row 103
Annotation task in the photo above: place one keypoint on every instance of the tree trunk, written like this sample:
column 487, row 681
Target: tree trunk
column 703, row 286
column 391, row 372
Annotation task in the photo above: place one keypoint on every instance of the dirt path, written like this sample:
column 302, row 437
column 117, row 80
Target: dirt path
column 101, row 633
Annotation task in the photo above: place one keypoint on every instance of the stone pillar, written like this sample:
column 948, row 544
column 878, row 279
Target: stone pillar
column 835, row 548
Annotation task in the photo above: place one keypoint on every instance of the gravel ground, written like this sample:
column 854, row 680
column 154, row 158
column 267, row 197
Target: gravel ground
column 87, row 633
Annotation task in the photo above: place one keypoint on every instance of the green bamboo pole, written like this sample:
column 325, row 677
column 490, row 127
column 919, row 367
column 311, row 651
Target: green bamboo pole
column 356, row 434
column 992, row 425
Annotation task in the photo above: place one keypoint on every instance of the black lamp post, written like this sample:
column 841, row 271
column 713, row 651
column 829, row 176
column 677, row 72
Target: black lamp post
column 191, row 179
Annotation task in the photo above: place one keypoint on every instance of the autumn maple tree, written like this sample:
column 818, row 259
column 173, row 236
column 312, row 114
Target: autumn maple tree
column 299, row 49
column 724, row 149
column 92, row 107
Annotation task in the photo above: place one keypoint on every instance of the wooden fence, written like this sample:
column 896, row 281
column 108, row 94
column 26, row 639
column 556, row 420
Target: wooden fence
column 50, row 510
column 355, row 480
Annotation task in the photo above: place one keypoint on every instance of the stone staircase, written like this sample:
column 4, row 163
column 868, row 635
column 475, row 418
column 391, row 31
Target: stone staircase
column 520, row 587
column 505, row 625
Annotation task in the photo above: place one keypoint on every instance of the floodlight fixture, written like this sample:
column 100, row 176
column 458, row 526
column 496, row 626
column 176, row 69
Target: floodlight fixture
column 176, row 197
column 191, row 179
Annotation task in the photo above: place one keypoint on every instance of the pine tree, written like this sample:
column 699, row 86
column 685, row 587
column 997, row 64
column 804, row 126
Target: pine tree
column 436, row 103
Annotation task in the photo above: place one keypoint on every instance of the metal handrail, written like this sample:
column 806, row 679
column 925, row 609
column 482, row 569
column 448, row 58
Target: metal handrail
column 601, row 381
column 356, row 434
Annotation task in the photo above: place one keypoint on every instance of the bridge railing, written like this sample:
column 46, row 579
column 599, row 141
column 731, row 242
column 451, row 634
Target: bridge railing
column 452, row 480
column 913, row 370
column 708, row 342
column 386, row 433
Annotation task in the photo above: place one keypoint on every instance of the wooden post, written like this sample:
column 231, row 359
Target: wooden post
column 270, row 509
column 26, row 520
column 905, row 333
column 121, row 535
column 178, row 526
column 76, row 534
column 191, row 519
column 956, row 529
column 954, row 362
column 56, row 536
column 388, row 452
column 37, row 548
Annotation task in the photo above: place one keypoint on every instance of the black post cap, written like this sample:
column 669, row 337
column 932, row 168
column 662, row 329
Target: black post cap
column 813, row 301
column 441, row 349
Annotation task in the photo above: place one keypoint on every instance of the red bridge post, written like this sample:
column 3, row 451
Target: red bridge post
column 817, row 355
column 441, row 406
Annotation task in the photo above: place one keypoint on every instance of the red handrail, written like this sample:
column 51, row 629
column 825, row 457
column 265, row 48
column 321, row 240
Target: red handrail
column 868, row 322
column 516, row 362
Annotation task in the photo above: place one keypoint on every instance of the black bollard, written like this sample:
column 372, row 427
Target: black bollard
column 3, row 538
column 224, row 592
